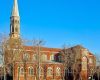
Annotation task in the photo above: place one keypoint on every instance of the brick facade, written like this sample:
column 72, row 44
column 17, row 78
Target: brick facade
column 55, row 72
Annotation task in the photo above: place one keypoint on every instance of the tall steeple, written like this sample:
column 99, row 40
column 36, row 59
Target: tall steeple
column 15, row 11
column 15, row 22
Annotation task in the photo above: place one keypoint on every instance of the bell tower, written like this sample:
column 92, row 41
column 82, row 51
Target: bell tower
column 15, row 22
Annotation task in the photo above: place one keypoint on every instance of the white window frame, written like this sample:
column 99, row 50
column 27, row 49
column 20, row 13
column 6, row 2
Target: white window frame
column 29, row 71
column 20, row 69
column 58, row 71
column 49, row 71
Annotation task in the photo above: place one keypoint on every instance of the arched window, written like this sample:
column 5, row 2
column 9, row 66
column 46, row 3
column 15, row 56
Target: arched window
column 84, row 63
column 60, row 58
column 16, row 29
column 21, row 70
column 12, row 29
column 43, row 57
column 41, row 72
column 52, row 57
column 30, row 71
column 58, row 71
column 49, row 71
column 34, row 57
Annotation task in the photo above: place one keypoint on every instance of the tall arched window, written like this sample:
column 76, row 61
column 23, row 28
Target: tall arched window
column 30, row 71
column 60, row 58
column 16, row 29
column 21, row 70
column 84, row 63
column 41, row 72
column 49, row 71
column 12, row 29
column 58, row 71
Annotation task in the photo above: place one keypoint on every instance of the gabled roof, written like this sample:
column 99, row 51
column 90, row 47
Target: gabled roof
column 79, row 47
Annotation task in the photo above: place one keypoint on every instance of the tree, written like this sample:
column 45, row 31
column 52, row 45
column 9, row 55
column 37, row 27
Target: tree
column 72, row 63
column 10, row 49
column 66, row 58
column 3, row 46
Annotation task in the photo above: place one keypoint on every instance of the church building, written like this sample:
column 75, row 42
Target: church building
column 37, row 62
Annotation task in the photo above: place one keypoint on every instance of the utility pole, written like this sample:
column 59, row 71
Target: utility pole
column 38, row 44
column 38, row 62
column 25, row 59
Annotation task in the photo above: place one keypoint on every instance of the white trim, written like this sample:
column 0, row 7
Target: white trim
column 31, row 68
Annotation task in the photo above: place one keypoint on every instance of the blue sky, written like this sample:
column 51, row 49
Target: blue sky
column 57, row 21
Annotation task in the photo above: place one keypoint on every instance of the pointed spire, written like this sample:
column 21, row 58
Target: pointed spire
column 15, row 11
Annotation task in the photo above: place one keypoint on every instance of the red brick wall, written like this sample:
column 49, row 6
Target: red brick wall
column 44, row 76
